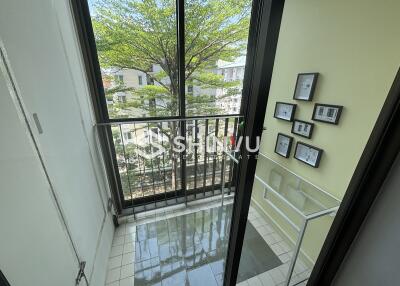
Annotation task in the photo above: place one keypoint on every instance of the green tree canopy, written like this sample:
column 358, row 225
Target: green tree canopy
column 139, row 34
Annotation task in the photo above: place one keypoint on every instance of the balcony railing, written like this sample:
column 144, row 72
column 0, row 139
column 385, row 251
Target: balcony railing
column 168, row 161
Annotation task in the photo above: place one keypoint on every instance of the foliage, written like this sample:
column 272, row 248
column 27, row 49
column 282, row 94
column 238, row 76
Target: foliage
column 141, row 34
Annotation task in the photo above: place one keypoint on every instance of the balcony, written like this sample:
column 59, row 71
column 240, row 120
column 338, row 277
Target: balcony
column 157, row 168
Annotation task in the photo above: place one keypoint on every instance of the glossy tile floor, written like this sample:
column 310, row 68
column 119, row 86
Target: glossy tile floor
column 187, row 246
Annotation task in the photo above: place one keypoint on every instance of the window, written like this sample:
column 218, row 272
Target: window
column 122, row 98
column 141, row 65
column 119, row 79
column 127, row 135
column 146, row 59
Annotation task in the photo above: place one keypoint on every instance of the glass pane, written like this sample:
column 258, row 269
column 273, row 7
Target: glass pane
column 148, row 165
column 136, row 45
column 308, row 154
column 216, row 33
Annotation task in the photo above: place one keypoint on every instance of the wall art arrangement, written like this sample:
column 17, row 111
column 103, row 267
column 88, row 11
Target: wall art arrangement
column 327, row 113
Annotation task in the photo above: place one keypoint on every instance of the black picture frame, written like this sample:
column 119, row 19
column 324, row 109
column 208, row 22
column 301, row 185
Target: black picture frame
column 316, row 161
column 310, row 129
column 289, row 118
column 338, row 109
column 312, row 87
column 289, row 147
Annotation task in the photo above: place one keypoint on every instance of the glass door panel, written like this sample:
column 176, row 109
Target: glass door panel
column 317, row 124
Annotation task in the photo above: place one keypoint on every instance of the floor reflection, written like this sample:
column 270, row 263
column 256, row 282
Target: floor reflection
column 191, row 250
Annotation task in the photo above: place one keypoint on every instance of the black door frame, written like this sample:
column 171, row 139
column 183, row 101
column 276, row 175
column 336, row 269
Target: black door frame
column 263, row 38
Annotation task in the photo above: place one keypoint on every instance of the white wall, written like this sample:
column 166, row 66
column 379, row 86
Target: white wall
column 374, row 256
column 34, row 248
column 43, row 54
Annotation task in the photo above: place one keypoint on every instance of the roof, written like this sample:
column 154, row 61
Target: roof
column 239, row 62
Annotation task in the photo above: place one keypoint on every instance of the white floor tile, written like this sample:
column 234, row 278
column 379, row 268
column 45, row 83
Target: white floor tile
column 113, row 275
column 115, row 262
column 254, row 281
column 116, row 283
column 118, row 240
column 129, row 247
column 266, row 279
column 277, row 275
column 130, row 281
column 120, row 231
column 116, row 250
column 130, row 228
column 127, row 271
column 130, row 237
column 128, row 258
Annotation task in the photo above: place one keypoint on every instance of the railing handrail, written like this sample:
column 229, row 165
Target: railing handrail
column 165, row 119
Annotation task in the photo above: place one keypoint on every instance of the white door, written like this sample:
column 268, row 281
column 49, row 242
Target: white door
column 34, row 246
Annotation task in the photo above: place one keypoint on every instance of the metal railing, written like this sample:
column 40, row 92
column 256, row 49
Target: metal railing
column 324, row 205
column 150, row 160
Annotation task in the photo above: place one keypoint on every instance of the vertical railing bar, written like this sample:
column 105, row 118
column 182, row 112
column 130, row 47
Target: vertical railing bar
column 183, row 160
column 215, row 146
column 205, row 158
column 159, row 168
column 174, row 128
column 165, row 175
column 296, row 252
column 138, row 159
column 231, row 165
column 127, row 164
column 195, row 155
column 151, row 164
column 223, row 156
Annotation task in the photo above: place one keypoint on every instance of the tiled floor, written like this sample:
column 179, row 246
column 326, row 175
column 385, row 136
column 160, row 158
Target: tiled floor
column 156, row 250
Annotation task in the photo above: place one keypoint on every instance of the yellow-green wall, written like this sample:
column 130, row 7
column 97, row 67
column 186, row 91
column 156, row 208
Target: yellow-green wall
column 355, row 46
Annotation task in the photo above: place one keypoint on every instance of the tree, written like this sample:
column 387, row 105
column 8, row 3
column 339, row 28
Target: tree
column 141, row 35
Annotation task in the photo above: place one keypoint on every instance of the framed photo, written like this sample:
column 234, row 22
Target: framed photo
column 327, row 113
column 283, row 145
column 308, row 154
column 284, row 111
column 302, row 128
column 305, row 86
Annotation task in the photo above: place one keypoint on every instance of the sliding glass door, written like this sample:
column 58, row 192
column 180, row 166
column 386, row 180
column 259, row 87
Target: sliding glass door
column 171, row 76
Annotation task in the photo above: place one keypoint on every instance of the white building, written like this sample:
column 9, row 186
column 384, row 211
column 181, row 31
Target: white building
column 232, row 72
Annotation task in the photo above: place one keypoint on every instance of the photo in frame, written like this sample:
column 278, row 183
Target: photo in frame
column 308, row 154
column 283, row 145
column 305, row 86
column 284, row 111
column 302, row 128
column 327, row 113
